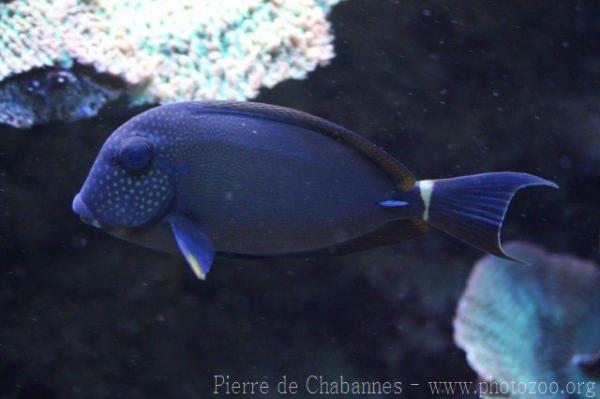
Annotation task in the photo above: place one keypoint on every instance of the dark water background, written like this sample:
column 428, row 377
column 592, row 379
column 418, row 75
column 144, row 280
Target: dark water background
column 450, row 88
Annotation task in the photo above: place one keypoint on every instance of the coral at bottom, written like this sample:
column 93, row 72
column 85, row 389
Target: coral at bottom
column 533, row 330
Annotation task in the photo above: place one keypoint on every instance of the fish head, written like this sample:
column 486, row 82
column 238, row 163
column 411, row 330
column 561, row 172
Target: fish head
column 131, row 183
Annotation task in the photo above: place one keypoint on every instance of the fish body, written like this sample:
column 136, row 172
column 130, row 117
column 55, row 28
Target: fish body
column 263, row 187
column 252, row 179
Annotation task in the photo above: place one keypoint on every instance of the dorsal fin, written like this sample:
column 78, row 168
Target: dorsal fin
column 403, row 178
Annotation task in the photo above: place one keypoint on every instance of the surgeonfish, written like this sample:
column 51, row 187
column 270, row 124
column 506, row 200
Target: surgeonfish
column 256, row 180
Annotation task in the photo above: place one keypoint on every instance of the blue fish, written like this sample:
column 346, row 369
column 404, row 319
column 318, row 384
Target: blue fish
column 256, row 180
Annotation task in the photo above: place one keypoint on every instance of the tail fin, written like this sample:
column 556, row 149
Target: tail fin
column 472, row 208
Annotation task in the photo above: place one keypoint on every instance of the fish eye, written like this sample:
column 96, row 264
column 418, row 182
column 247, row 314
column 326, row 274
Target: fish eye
column 136, row 154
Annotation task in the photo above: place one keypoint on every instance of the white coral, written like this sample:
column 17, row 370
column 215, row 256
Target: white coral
column 168, row 50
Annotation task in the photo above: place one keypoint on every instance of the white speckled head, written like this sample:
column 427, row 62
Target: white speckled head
column 131, row 183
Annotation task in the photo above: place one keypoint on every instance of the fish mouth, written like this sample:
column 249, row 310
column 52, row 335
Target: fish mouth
column 86, row 216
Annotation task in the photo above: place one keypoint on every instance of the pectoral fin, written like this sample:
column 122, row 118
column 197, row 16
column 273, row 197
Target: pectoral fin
column 195, row 246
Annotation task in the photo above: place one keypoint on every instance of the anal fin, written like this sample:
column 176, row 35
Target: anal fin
column 389, row 234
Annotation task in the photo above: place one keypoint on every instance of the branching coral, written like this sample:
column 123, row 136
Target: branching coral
column 165, row 50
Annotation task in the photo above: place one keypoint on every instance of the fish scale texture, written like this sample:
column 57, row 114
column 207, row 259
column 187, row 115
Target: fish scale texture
column 266, row 187
column 526, row 322
column 397, row 171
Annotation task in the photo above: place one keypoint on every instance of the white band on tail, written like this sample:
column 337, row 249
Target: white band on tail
column 426, row 189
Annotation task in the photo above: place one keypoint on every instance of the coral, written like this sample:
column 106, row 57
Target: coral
column 53, row 94
column 30, row 35
column 166, row 50
column 80, row 321
column 532, row 323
